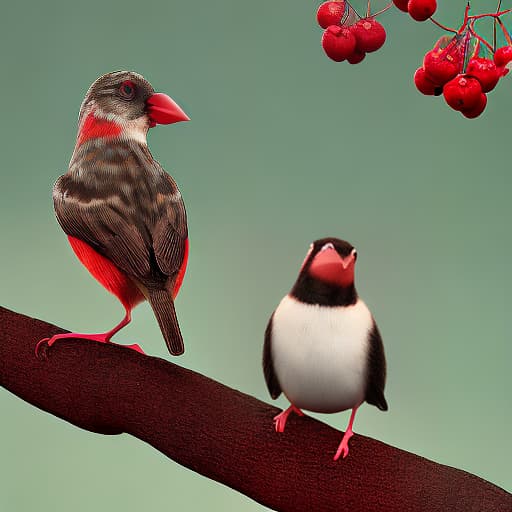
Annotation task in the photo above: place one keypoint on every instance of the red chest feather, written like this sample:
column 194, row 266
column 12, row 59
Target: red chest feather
column 181, row 273
column 107, row 274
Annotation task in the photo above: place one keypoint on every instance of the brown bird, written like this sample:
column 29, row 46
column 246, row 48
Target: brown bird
column 123, row 214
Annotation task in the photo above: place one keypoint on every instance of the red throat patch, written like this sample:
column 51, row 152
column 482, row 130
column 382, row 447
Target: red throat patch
column 95, row 128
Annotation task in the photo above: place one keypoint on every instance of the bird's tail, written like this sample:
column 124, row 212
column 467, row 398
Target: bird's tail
column 163, row 307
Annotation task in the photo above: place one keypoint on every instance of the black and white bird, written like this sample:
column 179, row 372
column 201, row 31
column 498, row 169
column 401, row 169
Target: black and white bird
column 322, row 347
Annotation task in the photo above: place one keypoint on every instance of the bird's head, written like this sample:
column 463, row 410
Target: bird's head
column 331, row 261
column 124, row 103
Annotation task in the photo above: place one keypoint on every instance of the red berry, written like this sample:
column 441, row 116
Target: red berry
column 462, row 93
column 401, row 4
column 330, row 13
column 421, row 10
column 338, row 43
column 356, row 57
column 477, row 109
column 440, row 67
column 425, row 85
column 502, row 56
column 485, row 71
column 370, row 35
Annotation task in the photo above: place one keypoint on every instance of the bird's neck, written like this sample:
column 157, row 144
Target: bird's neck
column 309, row 290
column 107, row 146
column 96, row 125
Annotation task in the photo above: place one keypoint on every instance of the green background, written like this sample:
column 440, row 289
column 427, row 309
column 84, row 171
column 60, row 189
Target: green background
column 284, row 146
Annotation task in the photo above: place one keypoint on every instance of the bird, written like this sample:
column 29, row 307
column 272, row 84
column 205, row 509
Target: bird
column 322, row 347
column 124, row 216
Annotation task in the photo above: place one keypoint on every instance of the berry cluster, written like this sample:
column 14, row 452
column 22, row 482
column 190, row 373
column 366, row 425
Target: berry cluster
column 419, row 10
column 347, row 36
column 463, row 68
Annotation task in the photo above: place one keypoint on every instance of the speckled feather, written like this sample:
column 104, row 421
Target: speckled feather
column 119, row 200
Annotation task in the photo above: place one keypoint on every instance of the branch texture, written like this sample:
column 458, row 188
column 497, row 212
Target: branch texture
column 224, row 434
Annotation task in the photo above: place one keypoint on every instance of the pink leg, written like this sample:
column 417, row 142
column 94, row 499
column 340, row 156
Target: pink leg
column 282, row 417
column 103, row 337
column 343, row 447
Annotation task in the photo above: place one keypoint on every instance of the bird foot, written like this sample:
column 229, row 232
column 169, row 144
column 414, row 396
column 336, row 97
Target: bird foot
column 135, row 347
column 343, row 447
column 281, row 419
column 44, row 345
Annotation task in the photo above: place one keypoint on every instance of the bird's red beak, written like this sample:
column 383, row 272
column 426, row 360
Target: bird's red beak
column 164, row 110
column 330, row 267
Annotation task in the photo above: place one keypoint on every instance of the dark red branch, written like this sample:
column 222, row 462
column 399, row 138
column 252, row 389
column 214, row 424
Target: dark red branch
column 227, row 435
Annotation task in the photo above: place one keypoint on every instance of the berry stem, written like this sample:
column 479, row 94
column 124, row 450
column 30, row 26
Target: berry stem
column 368, row 9
column 489, row 15
column 505, row 32
column 480, row 39
column 440, row 25
column 382, row 10
column 466, row 18
column 494, row 34
column 494, row 30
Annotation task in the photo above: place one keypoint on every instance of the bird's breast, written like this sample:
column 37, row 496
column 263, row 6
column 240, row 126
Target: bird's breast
column 119, row 173
column 320, row 354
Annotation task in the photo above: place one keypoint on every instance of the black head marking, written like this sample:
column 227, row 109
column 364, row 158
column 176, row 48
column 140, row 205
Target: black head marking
column 342, row 247
column 313, row 291
column 120, row 93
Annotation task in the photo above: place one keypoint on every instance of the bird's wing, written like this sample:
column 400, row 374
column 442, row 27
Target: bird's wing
column 102, row 224
column 137, row 221
column 268, row 366
column 171, row 232
column 376, row 372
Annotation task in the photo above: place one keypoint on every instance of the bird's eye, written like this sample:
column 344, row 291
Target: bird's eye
column 127, row 90
column 354, row 253
column 327, row 246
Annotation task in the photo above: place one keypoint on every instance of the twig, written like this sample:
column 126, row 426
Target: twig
column 489, row 15
column 480, row 39
column 440, row 25
column 384, row 9
column 505, row 32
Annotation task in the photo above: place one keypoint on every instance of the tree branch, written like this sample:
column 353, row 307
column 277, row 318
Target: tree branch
column 224, row 434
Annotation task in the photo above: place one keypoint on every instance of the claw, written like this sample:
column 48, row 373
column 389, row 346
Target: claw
column 343, row 447
column 43, row 345
column 136, row 348
column 41, row 349
column 103, row 337
column 281, row 419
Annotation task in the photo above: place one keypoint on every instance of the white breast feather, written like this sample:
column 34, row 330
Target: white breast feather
column 320, row 354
